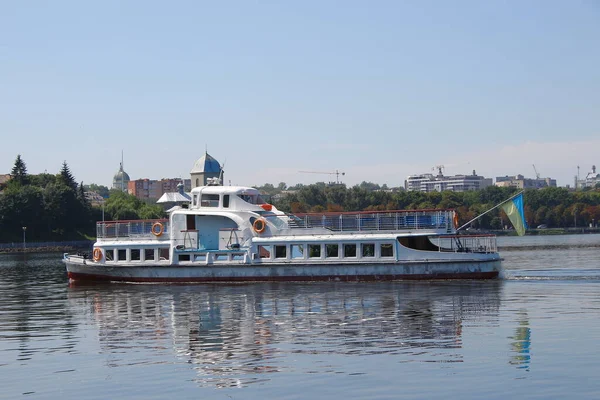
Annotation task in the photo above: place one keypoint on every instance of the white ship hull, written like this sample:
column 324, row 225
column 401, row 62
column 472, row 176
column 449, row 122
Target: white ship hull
column 460, row 269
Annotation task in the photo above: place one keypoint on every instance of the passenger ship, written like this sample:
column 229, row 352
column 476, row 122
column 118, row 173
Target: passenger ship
column 230, row 234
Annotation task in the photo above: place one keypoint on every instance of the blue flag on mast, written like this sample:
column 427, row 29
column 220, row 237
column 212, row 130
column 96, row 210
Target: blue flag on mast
column 514, row 210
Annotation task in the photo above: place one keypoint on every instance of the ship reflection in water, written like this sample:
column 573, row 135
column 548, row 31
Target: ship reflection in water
column 521, row 342
column 235, row 335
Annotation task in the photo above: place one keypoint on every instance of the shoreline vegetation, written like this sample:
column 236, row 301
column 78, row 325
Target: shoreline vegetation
column 47, row 207
column 46, row 247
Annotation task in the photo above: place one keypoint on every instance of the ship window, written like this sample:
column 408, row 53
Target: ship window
column 387, row 250
column 184, row 257
column 280, row 252
column 368, row 249
column 264, row 251
column 209, row 200
column 164, row 254
column 349, row 250
column 297, row 251
column 195, row 200
column 251, row 198
column 149, row 254
column 110, row 255
column 190, row 222
column 122, row 255
column 226, row 201
column 135, row 254
column 332, row 251
column 314, row 250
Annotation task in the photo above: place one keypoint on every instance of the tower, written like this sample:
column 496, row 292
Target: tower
column 205, row 167
column 121, row 178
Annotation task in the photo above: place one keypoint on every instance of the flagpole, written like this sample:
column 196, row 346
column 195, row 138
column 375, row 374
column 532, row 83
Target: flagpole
column 493, row 208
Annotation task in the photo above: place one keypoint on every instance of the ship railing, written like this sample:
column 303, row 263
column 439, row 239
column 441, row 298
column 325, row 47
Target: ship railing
column 133, row 229
column 376, row 221
column 466, row 243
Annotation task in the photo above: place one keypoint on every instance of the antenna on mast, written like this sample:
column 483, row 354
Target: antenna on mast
column 122, row 173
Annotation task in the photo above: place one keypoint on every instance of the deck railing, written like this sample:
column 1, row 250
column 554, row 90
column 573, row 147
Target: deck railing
column 467, row 243
column 131, row 229
column 376, row 221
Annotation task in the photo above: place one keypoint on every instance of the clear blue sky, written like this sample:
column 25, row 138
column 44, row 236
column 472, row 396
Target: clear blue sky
column 377, row 89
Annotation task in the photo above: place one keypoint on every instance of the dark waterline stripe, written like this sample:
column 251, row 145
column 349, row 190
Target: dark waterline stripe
column 345, row 278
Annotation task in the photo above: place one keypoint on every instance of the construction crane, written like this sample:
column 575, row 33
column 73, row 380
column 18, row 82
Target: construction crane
column 537, row 174
column 336, row 173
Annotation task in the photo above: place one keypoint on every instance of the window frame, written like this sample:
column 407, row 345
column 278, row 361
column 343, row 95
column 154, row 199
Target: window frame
column 350, row 245
column 391, row 247
column 364, row 246
column 327, row 247
column 314, row 246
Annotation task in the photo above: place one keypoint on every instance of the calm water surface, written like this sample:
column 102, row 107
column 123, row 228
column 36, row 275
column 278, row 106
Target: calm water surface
column 533, row 334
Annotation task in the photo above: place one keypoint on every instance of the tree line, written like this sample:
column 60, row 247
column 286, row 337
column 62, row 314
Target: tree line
column 54, row 207
column 551, row 206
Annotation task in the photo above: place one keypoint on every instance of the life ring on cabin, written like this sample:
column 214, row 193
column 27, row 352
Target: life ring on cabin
column 259, row 225
column 157, row 229
column 455, row 220
column 97, row 254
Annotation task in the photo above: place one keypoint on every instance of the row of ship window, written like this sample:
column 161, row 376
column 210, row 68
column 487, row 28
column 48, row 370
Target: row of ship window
column 296, row 251
column 332, row 250
column 137, row 254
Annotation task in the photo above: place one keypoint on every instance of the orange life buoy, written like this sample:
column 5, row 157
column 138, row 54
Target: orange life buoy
column 455, row 220
column 97, row 254
column 157, row 229
column 259, row 225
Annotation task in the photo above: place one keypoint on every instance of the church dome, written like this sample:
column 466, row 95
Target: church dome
column 121, row 179
column 121, row 175
column 206, row 164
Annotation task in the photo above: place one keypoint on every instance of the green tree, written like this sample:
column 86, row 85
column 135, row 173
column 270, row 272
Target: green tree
column 19, row 172
column 66, row 177
column 100, row 189
column 123, row 206
column 61, row 209
column 41, row 180
column 20, row 207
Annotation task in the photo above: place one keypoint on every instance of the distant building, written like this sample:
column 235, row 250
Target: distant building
column 4, row 178
column 121, row 179
column 176, row 198
column 590, row 180
column 439, row 183
column 204, row 169
column 154, row 189
column 520, row 182
column 94, row 198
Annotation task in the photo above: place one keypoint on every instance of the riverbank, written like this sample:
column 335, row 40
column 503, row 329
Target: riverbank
column 539, row 232
column 44, row 247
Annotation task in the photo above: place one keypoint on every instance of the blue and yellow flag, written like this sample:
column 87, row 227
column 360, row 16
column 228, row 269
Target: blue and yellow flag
column 514, row 210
